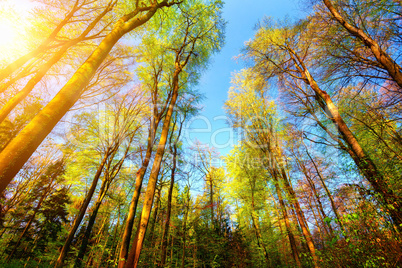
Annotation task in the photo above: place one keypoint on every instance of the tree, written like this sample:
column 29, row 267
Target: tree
column 21, row 148
column 382, row 57
column 285, row 51
column 192, row 49
column 120, row 127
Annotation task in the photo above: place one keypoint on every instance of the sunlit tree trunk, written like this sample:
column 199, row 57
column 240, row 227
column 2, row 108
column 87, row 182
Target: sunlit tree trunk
column 41, row 72
column 387, row 63
column 388, row 198
column 292, row 241
column 169, row 203
column 18, row 151
column 135, row 251
column 81, row 213
column 125, row 244
column 12, row 67
column 300, row 217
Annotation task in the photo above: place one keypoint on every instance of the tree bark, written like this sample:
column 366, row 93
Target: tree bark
column 392, row 203
column 10, row 105
column 388, row 64
column 169, row 209
column 150, row 192
column 292, row 241
column 125, row 244
column 81, row 213
column 300, row 217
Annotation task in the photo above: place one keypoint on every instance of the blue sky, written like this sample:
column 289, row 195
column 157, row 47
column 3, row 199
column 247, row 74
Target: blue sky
column 241, row 16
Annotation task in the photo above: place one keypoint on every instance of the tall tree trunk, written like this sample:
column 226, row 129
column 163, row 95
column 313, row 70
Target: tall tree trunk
column 125, row 244
column 292, row 241
column 150, row 192
column 19, row 150
column 155, row 120
column 387, row 63
column 300, row 217
column 81, row 213
column 10, row 105
column 392, row 203
column 169, row 209
column 91, row 222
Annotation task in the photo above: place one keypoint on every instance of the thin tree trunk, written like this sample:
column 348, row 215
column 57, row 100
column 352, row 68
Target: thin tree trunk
column 300, row 217
column 155, row 213
column 157, row 116
column 125, row 244
column 150, row 192
column 333, row 206
column 292, row 241
column 91, row 222
column 211, row 198
column 81, row 213
column 169, row 209
column 319, row 229
column 167, row 223
column 317, row 196
column 183, row 256
column 110, row 175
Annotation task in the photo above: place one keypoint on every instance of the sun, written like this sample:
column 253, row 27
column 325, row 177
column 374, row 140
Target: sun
column 8, row 33
column 13, row 29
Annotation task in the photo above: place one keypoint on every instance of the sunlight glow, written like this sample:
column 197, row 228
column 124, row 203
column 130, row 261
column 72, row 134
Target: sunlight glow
column 8, row 34
column 13, row 28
